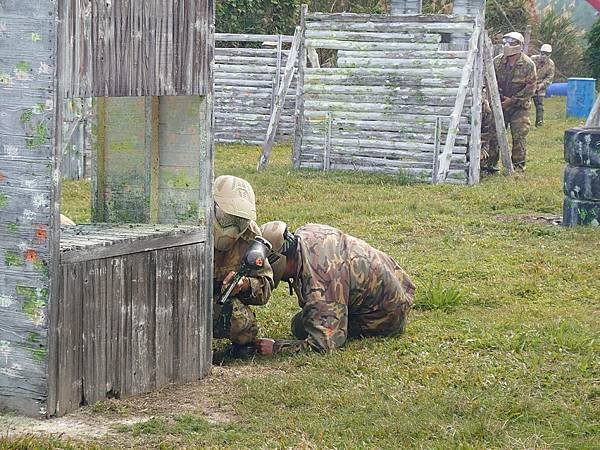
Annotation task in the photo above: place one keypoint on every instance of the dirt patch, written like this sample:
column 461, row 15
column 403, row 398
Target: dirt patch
column 542, row 219
column 212, row 398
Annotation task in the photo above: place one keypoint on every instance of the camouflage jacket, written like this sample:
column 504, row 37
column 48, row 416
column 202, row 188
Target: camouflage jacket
column 544, row 67
column 517, row 81
column 261, row 284
column 340, row 277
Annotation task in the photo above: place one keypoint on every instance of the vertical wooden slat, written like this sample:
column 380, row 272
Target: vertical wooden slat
column 165, row 295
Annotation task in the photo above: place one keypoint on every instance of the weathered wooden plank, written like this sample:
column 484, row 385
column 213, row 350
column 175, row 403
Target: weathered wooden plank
column 476, row 91
column 106, row 54
column 446, row 154
column 420, row 38
column 279, row 102
column 165, row 295
column 228, row 37
column 367, row 46
column 137, row 246
column 397, row 26
column 492, row 85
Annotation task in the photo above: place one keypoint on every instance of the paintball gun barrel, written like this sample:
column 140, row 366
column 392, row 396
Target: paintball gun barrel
column 253, row 260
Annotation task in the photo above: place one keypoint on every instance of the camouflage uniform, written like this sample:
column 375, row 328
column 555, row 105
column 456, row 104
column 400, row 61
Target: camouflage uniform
column 235, row 320
column 544, row 67
column 345, row 288
column 517, row 82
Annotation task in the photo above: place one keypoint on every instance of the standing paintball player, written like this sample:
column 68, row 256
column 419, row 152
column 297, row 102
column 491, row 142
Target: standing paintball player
column 545, row 74
column 345, row 288
column 516, row 76
column 234, row 230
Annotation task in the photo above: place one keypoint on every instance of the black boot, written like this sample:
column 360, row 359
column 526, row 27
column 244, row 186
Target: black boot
column 234, row 351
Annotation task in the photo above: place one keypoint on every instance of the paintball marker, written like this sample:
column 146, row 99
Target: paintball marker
column 253, row 260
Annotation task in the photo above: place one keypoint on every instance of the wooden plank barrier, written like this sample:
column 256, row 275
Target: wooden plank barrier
column 376, row 109
column 247, row 80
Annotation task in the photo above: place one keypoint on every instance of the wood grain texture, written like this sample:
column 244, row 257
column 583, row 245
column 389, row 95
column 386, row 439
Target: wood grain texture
column 132, row 323
column 137, row 47
column 28, row 200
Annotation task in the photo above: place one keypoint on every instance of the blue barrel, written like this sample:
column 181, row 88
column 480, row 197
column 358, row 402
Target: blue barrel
column 557, row 89
column 581, row 93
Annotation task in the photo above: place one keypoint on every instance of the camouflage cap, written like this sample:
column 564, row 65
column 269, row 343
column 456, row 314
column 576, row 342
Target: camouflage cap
column 274, row 232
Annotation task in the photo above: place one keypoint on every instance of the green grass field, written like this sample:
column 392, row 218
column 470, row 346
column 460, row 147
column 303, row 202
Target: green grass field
column 501, row 351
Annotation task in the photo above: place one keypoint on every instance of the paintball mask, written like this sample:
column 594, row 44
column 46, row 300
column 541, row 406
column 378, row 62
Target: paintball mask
column 227, row 229
column 513, row 43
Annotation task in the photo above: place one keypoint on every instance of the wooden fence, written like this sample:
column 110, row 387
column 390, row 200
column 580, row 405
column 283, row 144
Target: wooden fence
column 376, row 110
column 248, row 71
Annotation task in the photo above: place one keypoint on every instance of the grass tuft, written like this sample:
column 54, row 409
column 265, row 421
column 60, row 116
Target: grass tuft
column 438, row 296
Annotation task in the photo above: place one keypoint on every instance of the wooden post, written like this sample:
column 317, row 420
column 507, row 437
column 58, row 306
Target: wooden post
column 299, row 112
column 492, row 83
column 279, row 102
column 151, row 153
column 445, row 157
column 327, row 149
column 313, row 56
column 475, row 141
column 593, row 119
column 98, row 199
column 437, row 136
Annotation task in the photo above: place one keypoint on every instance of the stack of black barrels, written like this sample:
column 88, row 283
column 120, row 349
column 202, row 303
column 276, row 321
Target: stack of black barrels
column 582, row 177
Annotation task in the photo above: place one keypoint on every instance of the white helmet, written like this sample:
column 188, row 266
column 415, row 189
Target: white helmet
column 516, row 36
column 546, row 48
column 235, row 196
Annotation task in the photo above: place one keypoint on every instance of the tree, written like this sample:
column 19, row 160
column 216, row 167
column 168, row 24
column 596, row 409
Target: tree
column 256, row 16
column 504, row 16
column 567, row 44
column 592, row 53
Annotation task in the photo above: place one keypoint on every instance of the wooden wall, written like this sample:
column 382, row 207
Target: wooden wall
column 246, row 81
column 136, row 47
column 376, row 110
column 27, row 96
column 133, row 313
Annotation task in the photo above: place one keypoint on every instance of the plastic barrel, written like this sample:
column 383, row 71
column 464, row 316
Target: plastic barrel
column 581, row 93
column 557, row 89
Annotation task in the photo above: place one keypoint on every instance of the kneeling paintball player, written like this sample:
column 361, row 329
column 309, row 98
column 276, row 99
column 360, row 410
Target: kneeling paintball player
column 234, row 231
column 345, row 288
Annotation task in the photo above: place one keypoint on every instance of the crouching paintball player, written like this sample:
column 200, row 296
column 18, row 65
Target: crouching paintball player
column 234, row 231
column 345, row 287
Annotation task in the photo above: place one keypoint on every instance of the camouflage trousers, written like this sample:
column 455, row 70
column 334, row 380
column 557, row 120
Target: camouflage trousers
column 517, row 119
column 538, row 101
column 234, row 321
column 388, row 320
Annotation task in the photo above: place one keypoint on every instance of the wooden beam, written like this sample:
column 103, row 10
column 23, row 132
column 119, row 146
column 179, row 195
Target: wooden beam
column 475, row 141
column 446, row 155
column 152, row 156
column 436, row 149
column 492, row 84
column 299, row 112
column 279, row 102
column 593, row 119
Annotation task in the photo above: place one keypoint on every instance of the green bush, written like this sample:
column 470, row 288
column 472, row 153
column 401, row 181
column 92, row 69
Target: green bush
column 567, row 44
column 592, row 54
